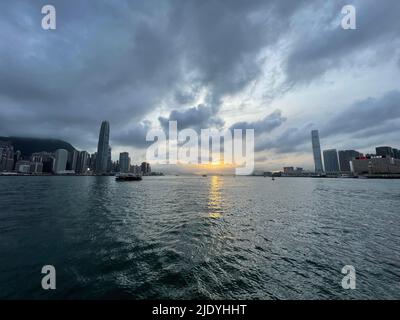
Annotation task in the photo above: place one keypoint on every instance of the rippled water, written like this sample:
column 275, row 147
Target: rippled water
column 196, row 237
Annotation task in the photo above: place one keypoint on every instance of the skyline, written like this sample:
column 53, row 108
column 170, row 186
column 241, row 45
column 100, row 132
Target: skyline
column 139, row 67
column 329, row 161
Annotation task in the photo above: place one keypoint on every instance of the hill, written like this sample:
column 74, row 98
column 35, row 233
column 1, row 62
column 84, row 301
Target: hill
column 27, row 146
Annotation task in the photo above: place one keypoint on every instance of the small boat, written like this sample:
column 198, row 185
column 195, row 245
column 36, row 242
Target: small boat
column 128, row 177
column 204, row 175
column 273, row 179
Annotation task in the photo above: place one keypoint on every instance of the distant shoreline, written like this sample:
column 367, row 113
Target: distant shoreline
column 384, row 177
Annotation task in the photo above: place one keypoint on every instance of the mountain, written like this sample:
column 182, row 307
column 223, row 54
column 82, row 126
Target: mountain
column 27, row 146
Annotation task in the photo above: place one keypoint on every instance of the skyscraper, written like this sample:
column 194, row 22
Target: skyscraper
column 345, row 156
column 61, row 160
column 316, row 151
column 331, row 161
column 124, row 162
column 72, row 160
column 103, row 148
column 82, row 162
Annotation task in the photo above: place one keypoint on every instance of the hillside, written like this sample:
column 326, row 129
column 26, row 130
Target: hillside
column 27, row 146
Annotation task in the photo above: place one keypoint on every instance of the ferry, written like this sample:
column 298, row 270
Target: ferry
column 128, row 177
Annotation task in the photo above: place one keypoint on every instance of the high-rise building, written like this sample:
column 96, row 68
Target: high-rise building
column 109, row 161
column 60, row 164
column 92, row 162
column 103, row 148
column 82, row 162
column 331, row 161
column 145, row 168
column 72, row 160
column 124, row 162
column 6, row 156
column 316, row 151
column 345, row 156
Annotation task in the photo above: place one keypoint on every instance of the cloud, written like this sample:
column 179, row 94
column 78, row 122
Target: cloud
column 200, row 117
column 134, row 136
column 322, row 45
column 363, row 120
column 365, row 115
column 269, row 123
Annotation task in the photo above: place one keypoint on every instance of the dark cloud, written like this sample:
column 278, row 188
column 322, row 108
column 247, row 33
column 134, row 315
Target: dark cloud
column 269, row 123
column 200, row 117
column 327, row 46
column 134, row 136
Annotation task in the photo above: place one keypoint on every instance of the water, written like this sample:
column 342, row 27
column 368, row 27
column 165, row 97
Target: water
column 196, row 237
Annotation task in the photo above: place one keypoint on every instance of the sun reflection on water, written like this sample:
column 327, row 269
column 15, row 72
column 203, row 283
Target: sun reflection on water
column 215, row 198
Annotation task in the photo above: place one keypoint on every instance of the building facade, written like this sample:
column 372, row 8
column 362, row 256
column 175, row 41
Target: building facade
column 103, row 148
column 82, row 164
column 316, row 152
column 331, row 161
column 124, row 162
column 345, row 157
column 60, row 164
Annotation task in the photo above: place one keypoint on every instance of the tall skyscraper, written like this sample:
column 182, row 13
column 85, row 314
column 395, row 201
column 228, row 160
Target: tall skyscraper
column 124, row 162
column 82, row 162
column 61, row 160
column 103, row 148
column 316, row 151
column 109, row 161
column 345, row 156
column 331, row 161
column 72, row 160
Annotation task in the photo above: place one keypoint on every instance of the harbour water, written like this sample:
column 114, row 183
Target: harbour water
column 199, row 237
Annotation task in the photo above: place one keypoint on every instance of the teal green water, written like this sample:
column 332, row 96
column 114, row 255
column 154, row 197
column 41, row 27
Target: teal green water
column 196, row 237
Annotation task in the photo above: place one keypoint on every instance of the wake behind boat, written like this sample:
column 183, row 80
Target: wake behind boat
column 128, row 177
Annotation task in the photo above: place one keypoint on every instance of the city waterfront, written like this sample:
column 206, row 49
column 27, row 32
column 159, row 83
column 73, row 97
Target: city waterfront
column 190, row 237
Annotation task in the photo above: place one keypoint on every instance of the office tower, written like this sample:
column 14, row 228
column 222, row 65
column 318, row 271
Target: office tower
column 92, row 162
column 316, row 151
column 124, row 162
column 6, row 156
column 143, row 168
column 36, row 167
column 72, row 160
column 384, row 151
column 345, row 156
column 46, row 158
column 82, row 162
column 103, row 148
column 331, row 161
column 17, row 157
column 109, row 161
column 61, row 161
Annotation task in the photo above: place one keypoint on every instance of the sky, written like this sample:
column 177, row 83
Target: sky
column 281, row 67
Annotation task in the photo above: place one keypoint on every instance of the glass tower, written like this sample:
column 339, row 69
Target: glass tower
column 316, row 151
column 102, row 148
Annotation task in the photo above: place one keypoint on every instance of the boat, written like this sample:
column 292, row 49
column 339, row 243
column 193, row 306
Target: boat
column 204, row 175
column 128, row 177
column 273, row 179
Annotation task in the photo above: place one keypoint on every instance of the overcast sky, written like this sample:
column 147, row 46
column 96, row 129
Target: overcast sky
column 281, row 67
